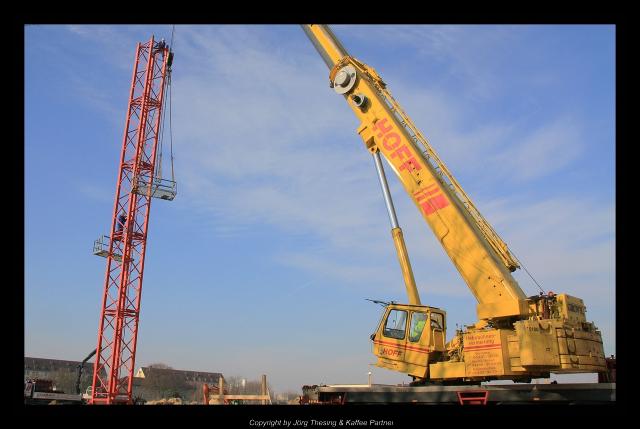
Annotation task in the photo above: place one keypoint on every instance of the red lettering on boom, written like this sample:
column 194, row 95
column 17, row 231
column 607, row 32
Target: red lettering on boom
column 431, row 199
column 434, row 204
column 402, row 150
column 383, row 127
column 422, row 194
column 434, row 199
column 391, row 141
column 391, row 145
column 411, row 162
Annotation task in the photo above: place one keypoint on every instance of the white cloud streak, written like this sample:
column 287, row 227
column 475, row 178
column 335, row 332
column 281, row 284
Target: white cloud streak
column 254, row 154
column 470, row 54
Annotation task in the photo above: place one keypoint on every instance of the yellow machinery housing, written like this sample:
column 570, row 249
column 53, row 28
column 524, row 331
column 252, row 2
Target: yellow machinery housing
column 556, row 338
column 517, row 337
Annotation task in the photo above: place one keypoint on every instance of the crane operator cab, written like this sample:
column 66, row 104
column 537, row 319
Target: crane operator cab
column 409, row 338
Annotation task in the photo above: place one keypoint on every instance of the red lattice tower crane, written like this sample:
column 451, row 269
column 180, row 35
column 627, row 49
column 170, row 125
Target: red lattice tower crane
column 125, row 247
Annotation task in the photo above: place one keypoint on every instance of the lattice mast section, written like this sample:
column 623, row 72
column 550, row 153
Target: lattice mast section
column 118, row 330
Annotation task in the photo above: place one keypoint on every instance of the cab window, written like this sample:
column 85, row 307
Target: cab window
column 437, row 321
column 396, row 324
column 418, row 320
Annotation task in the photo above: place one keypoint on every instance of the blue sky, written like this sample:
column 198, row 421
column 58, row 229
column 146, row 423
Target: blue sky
column 279, row 232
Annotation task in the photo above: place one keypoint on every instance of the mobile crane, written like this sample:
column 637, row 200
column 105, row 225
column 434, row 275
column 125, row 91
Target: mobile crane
column 516, row 337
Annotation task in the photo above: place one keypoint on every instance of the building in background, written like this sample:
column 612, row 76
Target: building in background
column 63, row 373
column 151, row 383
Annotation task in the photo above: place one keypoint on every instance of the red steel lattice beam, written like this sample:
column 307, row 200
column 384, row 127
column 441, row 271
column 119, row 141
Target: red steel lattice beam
column 118, row 330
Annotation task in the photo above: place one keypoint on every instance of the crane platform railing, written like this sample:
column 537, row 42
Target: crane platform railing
column 101, row 248
column 163, row 189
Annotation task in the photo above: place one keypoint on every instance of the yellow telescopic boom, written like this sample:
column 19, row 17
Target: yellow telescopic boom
column 475, row 249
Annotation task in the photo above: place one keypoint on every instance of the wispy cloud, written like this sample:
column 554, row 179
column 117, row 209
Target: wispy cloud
column 470, row 54
column 116, row 44
column 94, row 192
column 569, row 241
column 518, row 151
column 253, row 156
column 262, row 140
column 547, row 149
column 260, row 148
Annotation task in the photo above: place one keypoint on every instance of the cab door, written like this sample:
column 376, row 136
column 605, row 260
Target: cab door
column 389, row 341
column 418, row 339
column 426, row 335
column 438, row 331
